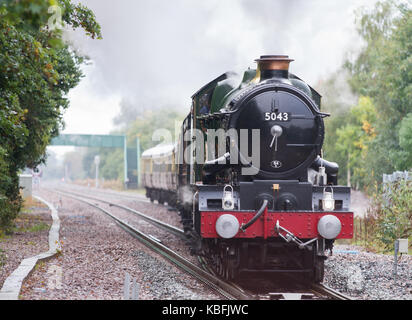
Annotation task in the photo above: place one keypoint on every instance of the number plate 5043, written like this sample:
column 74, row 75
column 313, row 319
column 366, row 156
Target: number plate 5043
column 277, row 116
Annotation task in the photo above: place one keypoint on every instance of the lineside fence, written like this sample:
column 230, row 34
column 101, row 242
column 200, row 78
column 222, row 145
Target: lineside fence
column 389, row 182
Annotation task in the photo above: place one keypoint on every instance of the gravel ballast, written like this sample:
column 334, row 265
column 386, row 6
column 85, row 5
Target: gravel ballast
column 31, row 237
column 351, row 269
column 368, row 276
column 97, row 254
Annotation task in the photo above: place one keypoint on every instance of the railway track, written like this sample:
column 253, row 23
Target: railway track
column 176, row 231
column 117, row 194
column 203, row 273
column 225, row 289
column 324, row 289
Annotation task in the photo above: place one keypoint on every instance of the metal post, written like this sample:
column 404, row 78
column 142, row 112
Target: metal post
column 135, row 290
column 126, row 288
column 97, row 162
column 395, row 266
column 138, row 161
column 128, row 284
column 126, row 180
column 66, row 173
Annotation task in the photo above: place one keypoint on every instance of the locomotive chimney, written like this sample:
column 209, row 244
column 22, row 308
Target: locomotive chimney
column 273, row 66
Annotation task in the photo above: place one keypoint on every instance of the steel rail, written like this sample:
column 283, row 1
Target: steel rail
column 320, row 288
column 220, row 286
column 138, row 197
column 324, row 289
column 156, row 222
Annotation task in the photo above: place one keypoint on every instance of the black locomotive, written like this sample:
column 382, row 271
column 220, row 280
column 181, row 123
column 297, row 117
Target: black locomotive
column 250, row 184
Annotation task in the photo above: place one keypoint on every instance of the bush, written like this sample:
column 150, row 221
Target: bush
column 10, row 200
column 37, row 70
column 392, row 209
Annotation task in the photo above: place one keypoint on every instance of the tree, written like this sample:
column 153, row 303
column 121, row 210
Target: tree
column 337, row 99
column 405, row 141
column 383, row 71
column 354, row 138
column 37, row 70
column 73, row 164
column 145, row 125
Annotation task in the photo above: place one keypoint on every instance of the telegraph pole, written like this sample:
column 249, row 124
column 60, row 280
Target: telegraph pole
column 97, row 162
column 138, row 162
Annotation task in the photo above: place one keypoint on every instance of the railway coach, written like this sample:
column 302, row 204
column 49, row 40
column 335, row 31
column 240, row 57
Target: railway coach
column 159, row 174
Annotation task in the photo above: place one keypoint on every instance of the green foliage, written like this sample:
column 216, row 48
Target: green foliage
column 37, row 70
column 405, row 138
column 383, row 71
column 393, row 213
column 10, row 202
column 144, row 126
column 73, row 162
column 330, row 150
column 3, row 258
column 35, row 227
column 33, row 16
column 78, row 16
column 354, row 137
column 337, row 99
column 372, row 136
column 112, row 164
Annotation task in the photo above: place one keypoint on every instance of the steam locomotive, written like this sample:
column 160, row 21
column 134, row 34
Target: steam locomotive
column 247, row 177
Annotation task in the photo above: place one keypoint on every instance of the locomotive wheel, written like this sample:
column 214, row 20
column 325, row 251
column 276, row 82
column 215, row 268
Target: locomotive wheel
column 231, row 272
column 225, row 271
column 319, row 270
column 218, row 263
column 150, row 195
column 221, row 267
column 225, row 264
column 161, row 197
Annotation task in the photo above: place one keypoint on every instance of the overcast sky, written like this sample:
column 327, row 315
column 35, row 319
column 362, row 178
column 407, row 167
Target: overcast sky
column 158, row 52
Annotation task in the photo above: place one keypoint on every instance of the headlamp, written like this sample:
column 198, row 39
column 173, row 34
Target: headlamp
column 228, row 202
column 328, row 202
